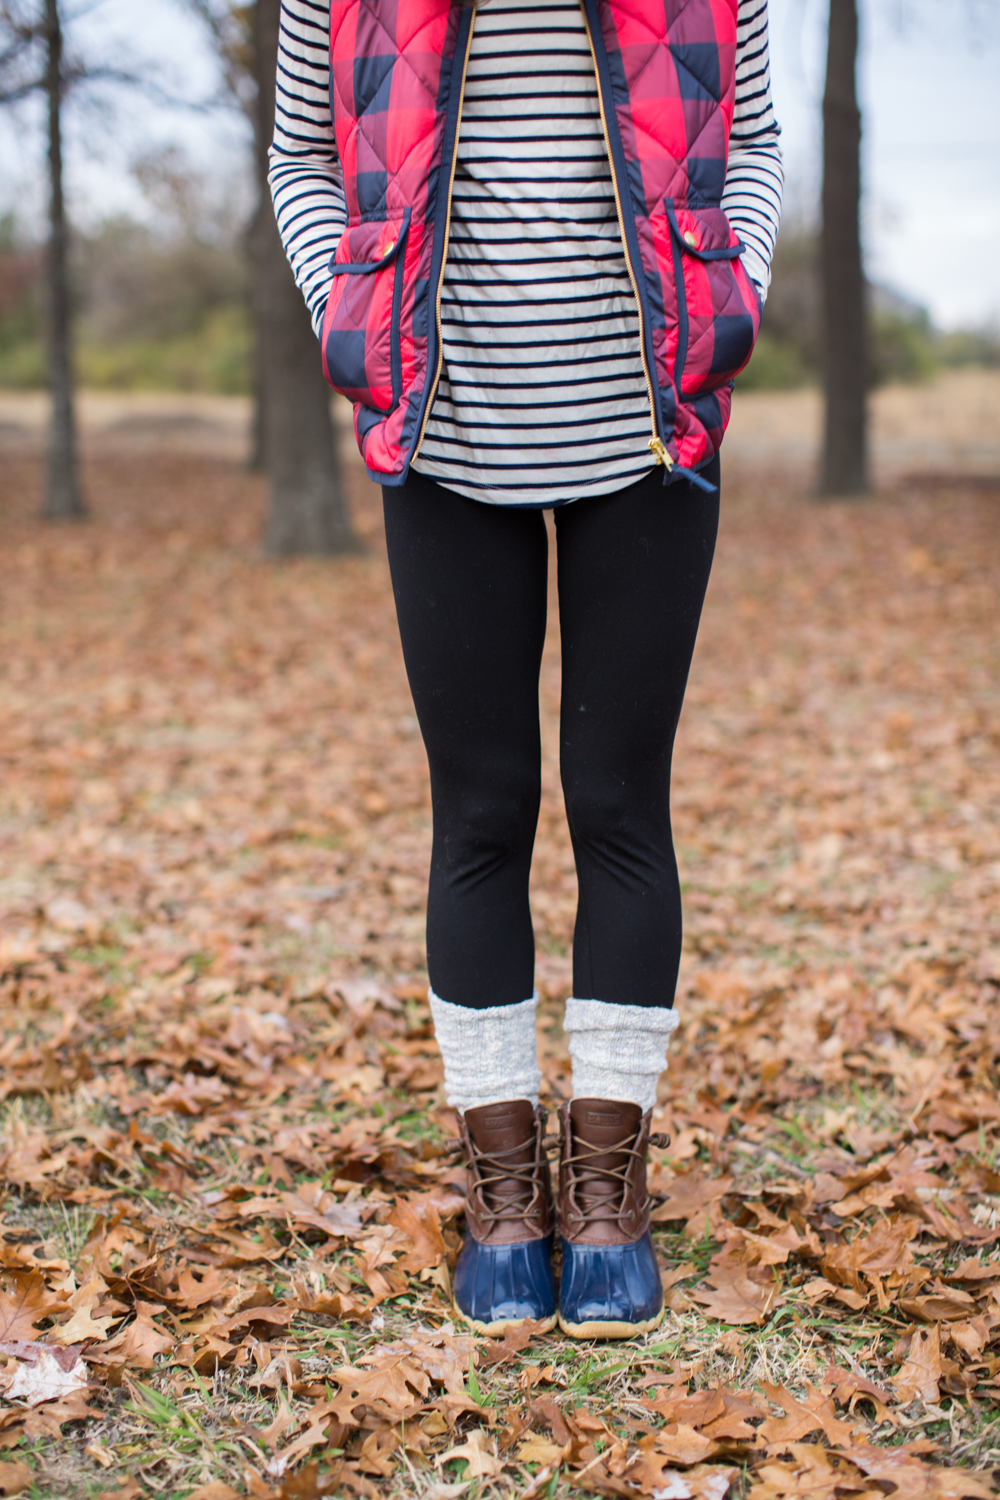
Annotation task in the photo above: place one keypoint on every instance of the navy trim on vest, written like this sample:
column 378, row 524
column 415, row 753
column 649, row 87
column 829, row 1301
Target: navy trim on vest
column 364, row 267
column 395, row 352
column 680, row 357
column 727, row 252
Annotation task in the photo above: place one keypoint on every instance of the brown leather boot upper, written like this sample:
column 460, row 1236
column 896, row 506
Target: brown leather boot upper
column 602, row 1172
column 508, row 1183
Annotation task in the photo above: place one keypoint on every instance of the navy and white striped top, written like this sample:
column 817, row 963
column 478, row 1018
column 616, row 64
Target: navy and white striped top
column 542, row 396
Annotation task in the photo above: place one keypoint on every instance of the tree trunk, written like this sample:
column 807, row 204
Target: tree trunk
column 307, row 510
column 63, row 500
column 257, row 462
column 845, row 345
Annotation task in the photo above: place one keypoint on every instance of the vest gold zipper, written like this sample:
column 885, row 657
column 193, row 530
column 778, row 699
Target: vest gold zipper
column 656, row 446
column 447, row 235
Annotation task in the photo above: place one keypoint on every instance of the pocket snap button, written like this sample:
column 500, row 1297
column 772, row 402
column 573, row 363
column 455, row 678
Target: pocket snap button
column 690, row 238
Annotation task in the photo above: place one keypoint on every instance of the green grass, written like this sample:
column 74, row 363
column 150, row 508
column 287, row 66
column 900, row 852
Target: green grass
column 216, row 359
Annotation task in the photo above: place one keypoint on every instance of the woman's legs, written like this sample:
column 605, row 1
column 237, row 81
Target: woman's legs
column 633, row 570
column 470, row 586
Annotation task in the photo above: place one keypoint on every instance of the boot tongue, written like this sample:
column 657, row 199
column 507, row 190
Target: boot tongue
column 500, row 1128
column 603, row 1122
column 596, row 1123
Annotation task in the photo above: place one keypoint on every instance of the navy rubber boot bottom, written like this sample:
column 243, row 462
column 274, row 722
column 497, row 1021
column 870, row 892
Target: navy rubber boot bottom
column 610, row 1291
column 498, row 1286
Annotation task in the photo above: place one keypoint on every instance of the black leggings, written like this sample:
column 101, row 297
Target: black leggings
column 470, row 586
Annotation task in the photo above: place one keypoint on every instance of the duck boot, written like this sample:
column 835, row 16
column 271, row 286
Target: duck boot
column 611, row 1286
column 504, row 1272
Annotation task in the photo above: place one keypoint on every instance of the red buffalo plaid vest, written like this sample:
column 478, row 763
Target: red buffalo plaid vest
column 666, row 75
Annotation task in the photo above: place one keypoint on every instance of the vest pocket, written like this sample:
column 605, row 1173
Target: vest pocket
column 718, row 309
column 361, row 352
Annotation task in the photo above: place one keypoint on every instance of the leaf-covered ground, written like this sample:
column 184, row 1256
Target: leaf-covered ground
column 229, row 1209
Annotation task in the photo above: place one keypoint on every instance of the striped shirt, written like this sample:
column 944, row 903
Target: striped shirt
column 542, row 396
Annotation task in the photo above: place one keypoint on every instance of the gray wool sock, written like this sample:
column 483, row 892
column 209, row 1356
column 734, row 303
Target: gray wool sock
column 618, row 1051
column 489, row 1055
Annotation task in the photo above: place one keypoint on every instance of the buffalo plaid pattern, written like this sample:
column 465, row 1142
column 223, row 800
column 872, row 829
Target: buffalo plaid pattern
column 393, row 93
column 666, row 72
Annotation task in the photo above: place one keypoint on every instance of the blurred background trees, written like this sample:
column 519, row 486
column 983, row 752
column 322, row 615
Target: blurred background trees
column 294, row 435
column 844, row 459
column 307, row 511
column 903, row 344
column 192, row 298
column 160, row 303
column 33, row 60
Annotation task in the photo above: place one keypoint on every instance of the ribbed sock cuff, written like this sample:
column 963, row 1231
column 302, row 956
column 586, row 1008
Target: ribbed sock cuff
column 489, row 1055
column 618, row 1051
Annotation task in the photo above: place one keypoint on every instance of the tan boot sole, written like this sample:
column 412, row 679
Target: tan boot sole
column 599, row 1330
column 495, row 1330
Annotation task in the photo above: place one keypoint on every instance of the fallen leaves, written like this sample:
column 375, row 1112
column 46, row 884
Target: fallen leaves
column 14, row 1477
column 479, row 1452
column 681, row 1444
column 849, row 1388
column 24, row 1306
column 132, row 1490
column 40, row 1374
column 864, row 1471
column 814, row 1413
column 515, row 1339
column 732, row 1297
column 704, row 1482
column 694, row 1198
column 923, row 1369
column 223, row 1146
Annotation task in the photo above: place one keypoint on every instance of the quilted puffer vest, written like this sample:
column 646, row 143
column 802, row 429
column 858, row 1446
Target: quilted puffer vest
column 666, row 74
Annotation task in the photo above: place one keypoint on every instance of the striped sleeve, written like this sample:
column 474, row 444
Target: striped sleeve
column 752, row 198
column 305, row 176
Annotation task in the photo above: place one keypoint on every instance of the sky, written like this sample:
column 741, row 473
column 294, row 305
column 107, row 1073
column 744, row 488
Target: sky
column 928, row 83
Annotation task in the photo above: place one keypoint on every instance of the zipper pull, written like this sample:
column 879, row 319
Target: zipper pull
column 659, row 452
column 656, row 447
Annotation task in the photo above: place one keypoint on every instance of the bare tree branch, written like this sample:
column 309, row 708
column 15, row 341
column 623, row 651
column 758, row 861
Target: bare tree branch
column 230, row 26
column 21, row 70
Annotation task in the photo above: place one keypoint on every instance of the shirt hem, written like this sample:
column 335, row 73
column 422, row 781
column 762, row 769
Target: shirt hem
column 520, row 496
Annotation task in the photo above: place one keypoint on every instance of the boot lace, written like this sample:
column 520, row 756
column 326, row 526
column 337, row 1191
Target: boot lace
column 495, row 1168
column 607, row 1207
column 491, row 1168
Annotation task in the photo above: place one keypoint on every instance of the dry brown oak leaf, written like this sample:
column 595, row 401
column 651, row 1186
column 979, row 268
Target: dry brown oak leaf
column 28, row 1302
column 733, row 1298
column 719, row 1414
column 479, row 1450
column 396, row 1390
column 923, row 1368
column 14, row 1478
column 814, row 1414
